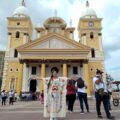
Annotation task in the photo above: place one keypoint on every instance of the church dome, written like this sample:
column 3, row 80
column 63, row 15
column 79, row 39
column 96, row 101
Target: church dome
column 21, row 11
column 55, row 22
column 89, row 12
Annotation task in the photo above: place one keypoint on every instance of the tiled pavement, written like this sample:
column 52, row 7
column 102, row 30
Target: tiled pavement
column 34, row 111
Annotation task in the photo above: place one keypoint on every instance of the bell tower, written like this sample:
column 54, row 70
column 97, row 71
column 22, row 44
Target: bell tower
column 19, row 33
column 89, row 29
column 19, row 28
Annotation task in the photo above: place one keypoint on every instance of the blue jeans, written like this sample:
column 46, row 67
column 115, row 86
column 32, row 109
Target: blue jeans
column 83, row 98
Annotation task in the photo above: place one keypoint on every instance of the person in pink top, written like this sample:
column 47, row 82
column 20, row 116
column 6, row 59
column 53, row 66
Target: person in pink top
column 42, row 97
column 71, row 95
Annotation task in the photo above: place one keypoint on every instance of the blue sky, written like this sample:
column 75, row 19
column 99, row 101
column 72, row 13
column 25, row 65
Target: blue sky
column 40, row 10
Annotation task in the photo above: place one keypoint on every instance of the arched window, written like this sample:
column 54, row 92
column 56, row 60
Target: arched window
column 91, row 35
column 17, row 34
column 93, row 53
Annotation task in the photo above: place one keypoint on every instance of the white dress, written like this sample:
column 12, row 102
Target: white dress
column 55, row 97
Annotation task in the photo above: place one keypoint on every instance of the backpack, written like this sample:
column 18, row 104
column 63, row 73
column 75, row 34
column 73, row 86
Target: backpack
column 80, row 83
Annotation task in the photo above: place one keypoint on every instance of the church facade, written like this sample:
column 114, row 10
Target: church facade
column 27, row 60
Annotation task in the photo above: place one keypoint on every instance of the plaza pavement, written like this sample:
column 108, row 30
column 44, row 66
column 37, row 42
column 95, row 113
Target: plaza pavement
column 34, row 111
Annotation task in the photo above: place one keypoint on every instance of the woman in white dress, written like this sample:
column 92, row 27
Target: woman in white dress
column 55, row 95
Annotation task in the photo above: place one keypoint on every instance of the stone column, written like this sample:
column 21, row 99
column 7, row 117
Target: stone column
column 8, row 44
column 84, row 39
column 38, row 34
column 64, row 70
column 20, row 78
column 100, row 42
column 42, row 76
column 24, row 82
column 25, row 38
column 87, row 78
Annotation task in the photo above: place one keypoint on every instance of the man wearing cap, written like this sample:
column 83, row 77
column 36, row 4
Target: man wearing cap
column 101, row 95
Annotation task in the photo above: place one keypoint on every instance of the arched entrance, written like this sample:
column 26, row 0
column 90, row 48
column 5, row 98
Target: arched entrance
column 33, row 85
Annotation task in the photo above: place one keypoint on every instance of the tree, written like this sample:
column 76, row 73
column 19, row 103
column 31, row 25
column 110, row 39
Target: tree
column 109, row 78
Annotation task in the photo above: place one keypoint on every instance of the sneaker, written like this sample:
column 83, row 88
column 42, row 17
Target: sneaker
column 100, row 117
column 111, row 118
column 82, row 112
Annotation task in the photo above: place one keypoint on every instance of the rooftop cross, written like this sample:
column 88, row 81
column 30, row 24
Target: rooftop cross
column 23, row 3
column 87, row 3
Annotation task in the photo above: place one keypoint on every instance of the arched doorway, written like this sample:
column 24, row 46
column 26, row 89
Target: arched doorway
column 33, row 85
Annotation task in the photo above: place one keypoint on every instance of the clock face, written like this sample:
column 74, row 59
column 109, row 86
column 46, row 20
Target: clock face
column 91, row 24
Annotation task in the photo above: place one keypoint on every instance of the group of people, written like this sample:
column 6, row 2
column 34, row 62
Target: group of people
column 61, row 90
column 77, row 88
column 11, row 95
column 29, row 96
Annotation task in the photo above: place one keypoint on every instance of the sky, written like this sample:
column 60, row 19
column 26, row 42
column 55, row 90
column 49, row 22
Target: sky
column 40, row 10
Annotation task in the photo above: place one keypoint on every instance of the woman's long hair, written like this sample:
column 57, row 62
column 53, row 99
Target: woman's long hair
column 50, row 81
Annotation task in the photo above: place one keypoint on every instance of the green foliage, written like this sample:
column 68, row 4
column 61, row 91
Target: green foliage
column 109, row 78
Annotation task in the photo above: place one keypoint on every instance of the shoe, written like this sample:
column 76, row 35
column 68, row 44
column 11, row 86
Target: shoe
column 68, row 111
column 82, row 112
column 111, row 118
column 71, row 112
column 88, row 111
column 100, row 117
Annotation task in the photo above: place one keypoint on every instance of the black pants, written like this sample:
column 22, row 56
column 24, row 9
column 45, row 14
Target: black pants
column 11, row 99
column 71, row 100
column 3, row 100
column 103, row 99
column 83, row 98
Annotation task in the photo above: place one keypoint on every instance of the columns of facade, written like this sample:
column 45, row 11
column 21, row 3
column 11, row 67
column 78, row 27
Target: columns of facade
column 71, row 36
column 8, row 44
column 19, row 80
column 7, row 53
column 24, row 82
column 38, row 34
column 64, row 70
column 42, row 76
column 4, row 78
column 25, row 38
column 84, row 39
column 100, row 43
column 87, row 78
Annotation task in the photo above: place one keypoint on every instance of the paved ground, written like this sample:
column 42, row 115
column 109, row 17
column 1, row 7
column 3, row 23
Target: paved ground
column 34, row 111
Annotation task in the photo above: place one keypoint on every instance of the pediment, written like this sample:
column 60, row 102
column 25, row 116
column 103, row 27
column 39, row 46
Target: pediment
column 53, row 41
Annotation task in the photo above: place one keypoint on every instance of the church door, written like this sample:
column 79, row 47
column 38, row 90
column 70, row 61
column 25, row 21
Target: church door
column 33, row 85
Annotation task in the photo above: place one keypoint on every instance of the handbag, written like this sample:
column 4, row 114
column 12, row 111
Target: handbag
column 101, row 92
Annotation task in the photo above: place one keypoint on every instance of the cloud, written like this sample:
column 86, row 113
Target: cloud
column 40, row 10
